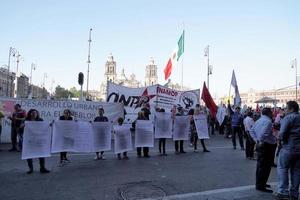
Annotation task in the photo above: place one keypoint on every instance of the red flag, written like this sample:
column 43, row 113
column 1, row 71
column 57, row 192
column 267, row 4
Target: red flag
column 208, row 100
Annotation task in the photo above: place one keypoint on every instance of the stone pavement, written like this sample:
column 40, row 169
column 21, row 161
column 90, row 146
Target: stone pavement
column 238, row 193
column 223, row 173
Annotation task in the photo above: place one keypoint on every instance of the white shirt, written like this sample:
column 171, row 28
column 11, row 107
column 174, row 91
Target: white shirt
column 248, row 123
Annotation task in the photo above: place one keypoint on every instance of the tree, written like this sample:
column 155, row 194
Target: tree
column 61, row 93
column 74, row 92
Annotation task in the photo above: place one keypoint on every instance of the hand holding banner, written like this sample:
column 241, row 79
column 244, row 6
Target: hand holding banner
column 101, row 136
column 144, row 133
column 201, row 126
column 163, row 125
column 36, row 140
column 181, row 128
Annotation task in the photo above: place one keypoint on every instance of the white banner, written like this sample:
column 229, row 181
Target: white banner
column 101, row 136
column 36, row 140
column 163, row 125
column 221, row 114
column 51, row 110
column 181, row 128
column 156, row 96
column 83, row 137
column 144, row 134
column 201, row 126
column 123, row 141
column 63, row 136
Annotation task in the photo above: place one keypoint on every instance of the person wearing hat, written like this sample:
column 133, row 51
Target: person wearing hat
column 100, row 118
column 236, row 124
column 179, row 143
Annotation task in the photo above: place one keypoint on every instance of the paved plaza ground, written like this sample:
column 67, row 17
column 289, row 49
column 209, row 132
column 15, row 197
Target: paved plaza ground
column 222, row 174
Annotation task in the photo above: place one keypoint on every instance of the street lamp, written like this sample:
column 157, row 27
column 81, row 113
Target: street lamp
column 33, row 67
column 12, row 52
column 294, row 65
column 19, row 58
column 88, row 62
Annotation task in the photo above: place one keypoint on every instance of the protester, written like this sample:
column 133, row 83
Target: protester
column 250, row 143
column 227, row 123
column 212, row 123
column 289, row 155
column 1, row 117
column 146, row 111
column 179, row 143
column 63, row 155
column 141, row 116
column 236, row 123
column 262, row 133
column 100, row 118
column 125, row 157
column 162, row 141
column 193, row 130
column 17, row 120
column 33, row 115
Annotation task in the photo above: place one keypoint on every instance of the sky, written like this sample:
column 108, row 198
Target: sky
column 258, row 39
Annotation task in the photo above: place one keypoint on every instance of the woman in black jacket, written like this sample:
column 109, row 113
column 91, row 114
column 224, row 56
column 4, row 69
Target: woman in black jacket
column 33, row 115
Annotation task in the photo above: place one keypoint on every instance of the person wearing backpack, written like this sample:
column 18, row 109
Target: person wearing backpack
column 289, row 155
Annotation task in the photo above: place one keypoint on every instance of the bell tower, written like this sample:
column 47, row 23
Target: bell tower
column 111, row 69
column 151, row 73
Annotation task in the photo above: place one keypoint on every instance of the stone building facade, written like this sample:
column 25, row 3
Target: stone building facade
column 128, row 81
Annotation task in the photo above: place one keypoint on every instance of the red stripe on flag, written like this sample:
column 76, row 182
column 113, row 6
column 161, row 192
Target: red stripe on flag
column 168, row 69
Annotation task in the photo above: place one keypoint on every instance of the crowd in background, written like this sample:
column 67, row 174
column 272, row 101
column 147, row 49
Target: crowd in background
column 263, row 133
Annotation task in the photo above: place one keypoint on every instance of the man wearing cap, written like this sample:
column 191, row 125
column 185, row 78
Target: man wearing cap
column 179, row 149
column 236, row 124
column 100, row 118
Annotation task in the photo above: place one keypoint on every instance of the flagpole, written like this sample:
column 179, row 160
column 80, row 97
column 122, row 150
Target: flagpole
column 182, row 58
column 208, row 67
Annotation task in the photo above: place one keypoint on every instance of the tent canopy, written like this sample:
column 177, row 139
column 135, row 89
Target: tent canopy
column 266, row 100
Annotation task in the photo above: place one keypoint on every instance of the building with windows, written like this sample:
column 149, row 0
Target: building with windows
column 22, row 86
column 282, row 95
column 7, row 82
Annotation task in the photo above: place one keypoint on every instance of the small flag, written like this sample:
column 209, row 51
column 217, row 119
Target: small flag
column 237, row 98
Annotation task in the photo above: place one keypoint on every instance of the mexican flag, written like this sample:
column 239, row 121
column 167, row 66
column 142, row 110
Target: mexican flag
column 175, row 56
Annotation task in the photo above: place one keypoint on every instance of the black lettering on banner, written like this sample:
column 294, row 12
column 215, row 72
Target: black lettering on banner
column 113, row 95
column 124, row 101
column 135, row 100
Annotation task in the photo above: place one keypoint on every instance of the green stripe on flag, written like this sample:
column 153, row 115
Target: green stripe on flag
column 180, row 46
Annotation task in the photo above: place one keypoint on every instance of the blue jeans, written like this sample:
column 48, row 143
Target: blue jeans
column 286, row 162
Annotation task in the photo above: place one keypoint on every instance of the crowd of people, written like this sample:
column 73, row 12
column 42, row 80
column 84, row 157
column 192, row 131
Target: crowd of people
column 269, row 132
column 19, row 116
